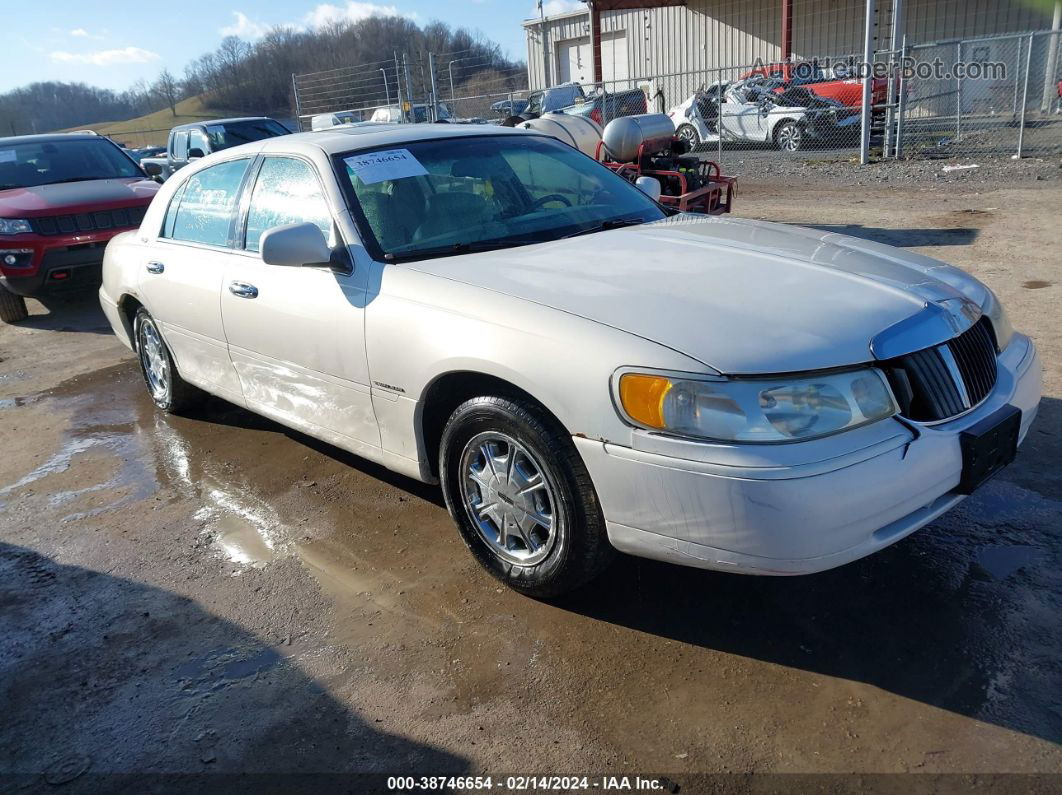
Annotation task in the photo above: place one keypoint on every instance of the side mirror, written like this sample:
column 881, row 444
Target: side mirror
column 295, row 245
column 153, row 169
column 649, row 186
column 195, row 152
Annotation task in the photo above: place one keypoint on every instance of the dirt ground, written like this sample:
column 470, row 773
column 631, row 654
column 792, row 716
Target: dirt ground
column 216, row 594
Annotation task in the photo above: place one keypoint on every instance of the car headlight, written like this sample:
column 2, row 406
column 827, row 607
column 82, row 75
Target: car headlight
column 1000, row 322
column 14, row 226
column 782, row 409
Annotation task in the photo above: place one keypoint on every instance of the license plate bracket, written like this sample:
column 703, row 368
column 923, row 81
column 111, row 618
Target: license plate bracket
column 988, row 446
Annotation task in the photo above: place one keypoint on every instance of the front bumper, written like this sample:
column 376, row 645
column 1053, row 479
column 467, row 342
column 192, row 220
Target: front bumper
column 797, row 508
column 58, row 263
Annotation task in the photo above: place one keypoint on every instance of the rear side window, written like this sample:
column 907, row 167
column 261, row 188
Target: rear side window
column 287, row 191
column 203, row 208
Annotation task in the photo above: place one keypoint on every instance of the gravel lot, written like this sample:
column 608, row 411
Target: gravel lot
column 216, row 594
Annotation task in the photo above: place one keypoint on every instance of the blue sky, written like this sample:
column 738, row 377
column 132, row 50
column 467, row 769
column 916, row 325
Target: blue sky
column 112, row 43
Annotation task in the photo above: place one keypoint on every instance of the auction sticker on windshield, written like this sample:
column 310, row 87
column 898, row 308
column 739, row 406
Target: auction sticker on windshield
column 375, row 167
column 7, row 155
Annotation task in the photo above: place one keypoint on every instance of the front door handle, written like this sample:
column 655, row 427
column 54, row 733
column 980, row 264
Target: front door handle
column 243, row 289
column 155, row 267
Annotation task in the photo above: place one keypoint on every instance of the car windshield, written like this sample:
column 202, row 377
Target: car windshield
column 234, row 133
column 33, row 163
column 455, row 195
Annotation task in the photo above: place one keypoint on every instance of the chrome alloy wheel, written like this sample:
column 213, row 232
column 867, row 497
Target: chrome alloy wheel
column 790, row 138
column 509, row 498
column 153, row 358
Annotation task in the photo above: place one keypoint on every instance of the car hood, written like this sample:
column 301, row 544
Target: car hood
column 97, row 194
column 741, row 296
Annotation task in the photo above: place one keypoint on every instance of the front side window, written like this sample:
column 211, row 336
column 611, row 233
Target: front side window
column 431, row 198
column 33, row 163
column 202, row 210
column 287, row 191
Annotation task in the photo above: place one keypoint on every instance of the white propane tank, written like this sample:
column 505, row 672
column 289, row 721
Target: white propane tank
column 624, row 135
column 579, row 132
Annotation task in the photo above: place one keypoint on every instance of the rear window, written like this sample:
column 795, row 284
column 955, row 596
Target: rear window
column 224, row 136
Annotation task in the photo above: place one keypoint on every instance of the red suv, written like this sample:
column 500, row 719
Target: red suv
column 62, row 197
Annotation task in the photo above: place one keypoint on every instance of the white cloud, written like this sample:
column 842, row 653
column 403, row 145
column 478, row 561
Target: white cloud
column 106, row 57
column 318, row 17
column 244, row 27
column 81, row 33
column 552, row 7
column 327, row 14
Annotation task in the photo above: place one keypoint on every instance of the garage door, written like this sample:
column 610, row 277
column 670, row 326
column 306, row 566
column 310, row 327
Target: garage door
column 614, row 64
column 574, row 61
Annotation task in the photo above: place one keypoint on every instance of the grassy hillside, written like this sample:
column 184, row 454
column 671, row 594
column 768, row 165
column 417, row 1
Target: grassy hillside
column 152, row 129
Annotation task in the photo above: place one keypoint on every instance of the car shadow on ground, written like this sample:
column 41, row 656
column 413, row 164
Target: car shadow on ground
column 904, row 238
column 962, row 615
column 113, row 685
column 73, row 312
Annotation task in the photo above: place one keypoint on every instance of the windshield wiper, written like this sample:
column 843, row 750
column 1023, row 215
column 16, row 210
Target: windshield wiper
column 73, row 179
column 457, row 248
column 604, row 226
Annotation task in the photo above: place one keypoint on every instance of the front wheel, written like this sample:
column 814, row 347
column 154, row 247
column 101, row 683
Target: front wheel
column 12, row 307
column 689, row 134
column 168, row 390
column 521, row 496
column 789, row 136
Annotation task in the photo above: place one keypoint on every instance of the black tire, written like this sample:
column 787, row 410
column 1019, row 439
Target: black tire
column 12, row 307
column 580, row 549
column 177, row 395
column 789, row 136
column 688, row 133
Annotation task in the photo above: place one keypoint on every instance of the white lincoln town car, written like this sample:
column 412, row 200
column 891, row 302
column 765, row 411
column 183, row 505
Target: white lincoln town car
column 581, row 369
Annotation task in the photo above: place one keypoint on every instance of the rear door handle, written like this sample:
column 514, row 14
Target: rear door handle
column 243, row 289
column 155, row 267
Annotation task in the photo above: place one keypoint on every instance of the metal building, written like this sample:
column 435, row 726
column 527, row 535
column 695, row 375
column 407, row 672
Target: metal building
column 644, row 38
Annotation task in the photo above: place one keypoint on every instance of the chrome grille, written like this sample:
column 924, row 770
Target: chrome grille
column 941, row 382
column 122, row 218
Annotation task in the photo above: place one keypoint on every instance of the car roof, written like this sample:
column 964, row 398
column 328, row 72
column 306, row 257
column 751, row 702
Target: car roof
column 371, row 135
column 191, row 124
column 49, row 137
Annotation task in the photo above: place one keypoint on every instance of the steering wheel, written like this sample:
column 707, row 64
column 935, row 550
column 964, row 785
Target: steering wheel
column 552, row 197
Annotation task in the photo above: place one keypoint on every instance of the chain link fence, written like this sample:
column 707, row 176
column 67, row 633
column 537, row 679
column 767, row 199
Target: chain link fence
column 993, row 95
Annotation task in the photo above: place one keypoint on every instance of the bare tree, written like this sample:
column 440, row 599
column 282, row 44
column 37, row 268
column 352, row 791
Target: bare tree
column 167, row 88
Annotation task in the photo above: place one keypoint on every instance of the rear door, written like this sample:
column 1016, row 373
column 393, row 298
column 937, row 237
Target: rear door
column 296, row 334
column 181, row 276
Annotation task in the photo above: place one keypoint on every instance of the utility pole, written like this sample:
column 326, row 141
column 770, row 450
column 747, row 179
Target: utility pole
column 398, row 83
column 545, row 45
column 409, row 89
column 868, row 80
column 1050, row 76
column 434, row 90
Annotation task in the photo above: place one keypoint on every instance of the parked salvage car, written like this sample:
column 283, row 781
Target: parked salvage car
column 752, row 111
column 580, row 370
column 62, row 197
column 603, row 108
column 189, row 142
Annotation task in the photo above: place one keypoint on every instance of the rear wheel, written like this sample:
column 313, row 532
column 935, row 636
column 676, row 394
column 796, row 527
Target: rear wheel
column 12, row 307
column 521, row 496
column 168, row 390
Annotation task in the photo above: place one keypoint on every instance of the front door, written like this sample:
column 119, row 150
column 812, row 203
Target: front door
column 296, row 335
column 182, row 271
